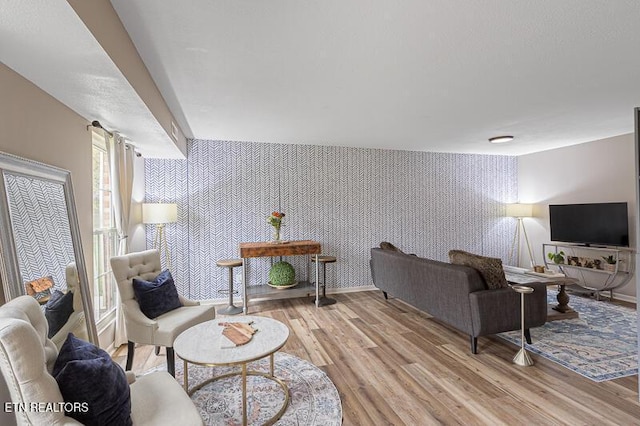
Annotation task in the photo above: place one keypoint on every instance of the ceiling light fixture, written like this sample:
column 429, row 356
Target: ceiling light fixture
column 501, row 139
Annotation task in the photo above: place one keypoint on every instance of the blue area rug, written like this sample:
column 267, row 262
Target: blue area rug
column 601, row 345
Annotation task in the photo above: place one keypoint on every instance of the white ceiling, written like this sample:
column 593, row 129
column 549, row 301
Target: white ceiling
column 437, row 75
column 46, row 42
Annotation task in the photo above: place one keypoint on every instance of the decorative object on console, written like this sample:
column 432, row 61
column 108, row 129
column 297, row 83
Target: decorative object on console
column 490, row 268
column 282, row 275
column 610, row 263
column 40, row 289
column 558, row 258
column 275, row 220
column 160, row 214
column 520, row 211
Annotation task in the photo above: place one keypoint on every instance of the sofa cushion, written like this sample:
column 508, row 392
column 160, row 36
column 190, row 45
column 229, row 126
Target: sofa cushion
column 158, row 296
column 58, row 310
column 490, row 268
column 86, row 374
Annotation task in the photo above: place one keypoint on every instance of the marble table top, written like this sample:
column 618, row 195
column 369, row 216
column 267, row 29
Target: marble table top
column 204, row 343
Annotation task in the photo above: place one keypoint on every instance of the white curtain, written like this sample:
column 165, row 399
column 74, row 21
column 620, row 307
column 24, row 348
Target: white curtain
column 121, row 158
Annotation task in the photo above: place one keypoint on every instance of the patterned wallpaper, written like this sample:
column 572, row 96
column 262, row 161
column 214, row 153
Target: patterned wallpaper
column 349, row 199
column 41, row 229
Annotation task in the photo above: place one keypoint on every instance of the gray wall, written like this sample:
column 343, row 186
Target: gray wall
column 349, row 199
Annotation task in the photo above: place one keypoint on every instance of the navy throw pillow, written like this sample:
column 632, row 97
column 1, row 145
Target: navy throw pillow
column 58, row 310
column 158, row 296
column 86, row 374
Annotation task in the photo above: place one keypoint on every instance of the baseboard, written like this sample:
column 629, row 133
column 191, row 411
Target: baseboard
column 623, row 297
column 238, row 300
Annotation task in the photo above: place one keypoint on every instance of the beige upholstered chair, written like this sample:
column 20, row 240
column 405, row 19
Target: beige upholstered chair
column 27, row 357
column 161, row 331
column 76, row 323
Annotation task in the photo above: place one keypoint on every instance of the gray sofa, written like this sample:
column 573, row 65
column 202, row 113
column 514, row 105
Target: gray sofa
column 456, row 295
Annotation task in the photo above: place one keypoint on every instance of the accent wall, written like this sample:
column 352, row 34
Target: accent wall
column 349, row 199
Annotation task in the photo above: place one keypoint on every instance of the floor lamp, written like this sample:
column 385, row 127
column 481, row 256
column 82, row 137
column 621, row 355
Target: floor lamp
column 520, row 211
column 160, row 214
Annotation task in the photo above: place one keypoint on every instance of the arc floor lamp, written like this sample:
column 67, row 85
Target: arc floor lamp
column 520, row 211
column 160, row 214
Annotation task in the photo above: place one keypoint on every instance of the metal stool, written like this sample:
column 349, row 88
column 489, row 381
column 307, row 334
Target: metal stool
column 324, row 300
column 230, row 264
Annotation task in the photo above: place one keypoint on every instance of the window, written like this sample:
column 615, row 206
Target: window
column 105, row 235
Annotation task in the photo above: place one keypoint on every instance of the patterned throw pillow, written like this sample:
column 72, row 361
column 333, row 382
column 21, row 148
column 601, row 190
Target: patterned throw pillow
column 158, row 296
column 388, row 246
column 490, row 268
column 58, row 310
column 86, row 374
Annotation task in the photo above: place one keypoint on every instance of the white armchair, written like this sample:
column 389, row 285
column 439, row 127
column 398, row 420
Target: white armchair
column 27, row 357
column 161, row 331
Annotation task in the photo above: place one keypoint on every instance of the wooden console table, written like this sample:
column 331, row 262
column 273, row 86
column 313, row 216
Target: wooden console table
column 268, row 249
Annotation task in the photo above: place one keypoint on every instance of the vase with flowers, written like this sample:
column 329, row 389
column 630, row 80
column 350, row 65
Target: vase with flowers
column 275, row 220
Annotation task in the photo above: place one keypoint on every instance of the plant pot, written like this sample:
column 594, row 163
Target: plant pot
column 282, row 287
column 610, row 267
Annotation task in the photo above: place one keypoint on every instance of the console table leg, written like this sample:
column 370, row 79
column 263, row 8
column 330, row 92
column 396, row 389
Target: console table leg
column 245, row 297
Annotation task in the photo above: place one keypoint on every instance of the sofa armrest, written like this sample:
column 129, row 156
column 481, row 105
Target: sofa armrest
column 497, row 311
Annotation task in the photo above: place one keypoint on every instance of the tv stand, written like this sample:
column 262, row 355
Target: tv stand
column 586, row 264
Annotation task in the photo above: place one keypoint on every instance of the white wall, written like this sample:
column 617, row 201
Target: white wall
column 599, row 171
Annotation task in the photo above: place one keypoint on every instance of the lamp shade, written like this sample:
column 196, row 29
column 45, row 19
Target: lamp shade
column 159, row 212
column 520, row 210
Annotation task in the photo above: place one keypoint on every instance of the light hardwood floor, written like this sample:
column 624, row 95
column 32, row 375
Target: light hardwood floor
column 393, row 364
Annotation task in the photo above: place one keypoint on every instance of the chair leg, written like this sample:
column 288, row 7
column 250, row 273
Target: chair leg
column 474, row 345
column 157, row 350
column 171, row 362
column 131, row 347
column 527, row 335
column 385, row 295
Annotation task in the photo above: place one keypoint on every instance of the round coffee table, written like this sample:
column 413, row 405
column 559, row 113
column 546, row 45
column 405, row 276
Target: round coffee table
column 204, row 344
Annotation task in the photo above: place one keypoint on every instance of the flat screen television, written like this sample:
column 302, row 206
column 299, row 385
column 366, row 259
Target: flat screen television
column 604, row 224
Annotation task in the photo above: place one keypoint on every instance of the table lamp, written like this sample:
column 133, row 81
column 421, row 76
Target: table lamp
column 520, row 211
column 160, row 214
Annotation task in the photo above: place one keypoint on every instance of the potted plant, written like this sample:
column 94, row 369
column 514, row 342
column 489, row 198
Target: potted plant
column 282, row 275
column 557, row 258
column 610, row 263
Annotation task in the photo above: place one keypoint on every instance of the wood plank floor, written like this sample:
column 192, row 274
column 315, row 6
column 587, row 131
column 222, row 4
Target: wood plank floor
column 394, row 365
